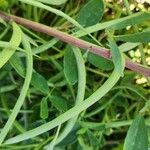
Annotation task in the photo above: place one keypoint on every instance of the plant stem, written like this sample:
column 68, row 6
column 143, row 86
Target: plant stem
column 73, row 41
column 143, row 58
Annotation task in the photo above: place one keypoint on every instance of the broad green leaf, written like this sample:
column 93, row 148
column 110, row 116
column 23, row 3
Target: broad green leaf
column 53, row 2
column 40, row 83
column 137, row 37
column 117, row 56
column 100, row 62
column 3, row 4
column 91, row 13
column 44, row 108
column 59, row 102
column 94, row 59
column 70, row 66
column 137, row 138
column 14, row 43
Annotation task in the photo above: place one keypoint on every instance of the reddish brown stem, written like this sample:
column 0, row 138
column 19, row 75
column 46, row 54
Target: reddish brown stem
column 73, row 40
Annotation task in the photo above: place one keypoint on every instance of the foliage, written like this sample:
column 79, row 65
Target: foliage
column 57, row 95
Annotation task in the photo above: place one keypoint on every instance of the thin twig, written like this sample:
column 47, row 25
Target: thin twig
column 73, row 41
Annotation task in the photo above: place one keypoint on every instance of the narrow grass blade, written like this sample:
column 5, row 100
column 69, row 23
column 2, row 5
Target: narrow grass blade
column 23, row 93
column 80, row 91
column 142, row 37
column 117, row 56
column 59, row 13
column 117, row 23
column 6, row 53
column 53, row 2
column 112, row 80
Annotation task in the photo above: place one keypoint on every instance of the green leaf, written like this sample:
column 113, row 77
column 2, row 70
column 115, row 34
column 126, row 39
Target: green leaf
column 137, row 37
column 70, row 66
column 71, row 137
column 18, row 65
column 23, row 91
column 44, row 108
column 136, row 18
column 3, row 22
column 99, row 62
column 121, row 101
column 137, row 138
column 3, row 4
column 83, row 145
column 99, row 93
column 59, row 102
column 53, row 2
column 93, row 125
column 14, row 43
column 91, row 13
column 93, row 139
column 117, row 56
column 40, row 83
column 128, row 46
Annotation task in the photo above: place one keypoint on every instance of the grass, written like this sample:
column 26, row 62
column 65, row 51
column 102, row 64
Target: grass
column 67, row 80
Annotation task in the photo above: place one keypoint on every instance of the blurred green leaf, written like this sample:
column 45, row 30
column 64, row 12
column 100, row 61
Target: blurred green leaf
column 3, row 22
column 93, row 139
column 121, row 101
column 14, row 43
column 71, row 137
column 3, row 4
column 70, row 66
column 18, row 65
column 93, row 125
column 40, row 83
column 137, row 37
column 128, row 46
column 129, row 20
column 100, row 62
column 44, row 108
column 117, row 56
column 59, row 102
column 117, row 24
column 84, row 146
column 91, row 13
column 53, row 2
column 137, row 138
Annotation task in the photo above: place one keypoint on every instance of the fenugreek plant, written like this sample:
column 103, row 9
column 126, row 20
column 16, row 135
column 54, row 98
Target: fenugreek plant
column 74, row 75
